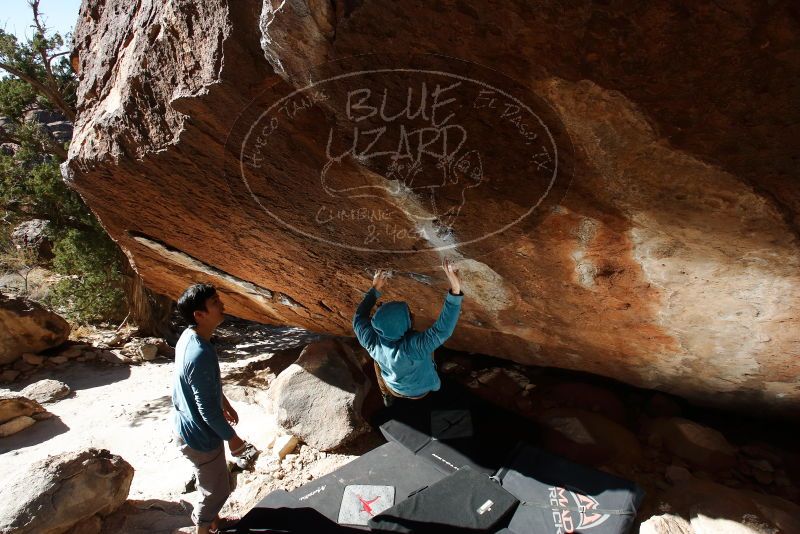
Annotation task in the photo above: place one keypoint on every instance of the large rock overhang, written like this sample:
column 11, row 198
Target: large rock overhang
column 666, row 256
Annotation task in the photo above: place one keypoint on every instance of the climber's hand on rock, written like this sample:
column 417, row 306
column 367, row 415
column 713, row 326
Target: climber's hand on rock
column 452, row 276
column 380, row 279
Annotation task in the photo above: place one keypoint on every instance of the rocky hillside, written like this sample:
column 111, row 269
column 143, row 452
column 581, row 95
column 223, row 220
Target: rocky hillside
column 617, row 182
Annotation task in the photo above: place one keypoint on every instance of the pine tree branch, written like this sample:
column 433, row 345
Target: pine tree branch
column 59, row 54
column 42, row 41
column 52, row 94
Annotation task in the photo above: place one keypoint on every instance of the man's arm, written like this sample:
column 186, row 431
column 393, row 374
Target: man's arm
column 228, row 411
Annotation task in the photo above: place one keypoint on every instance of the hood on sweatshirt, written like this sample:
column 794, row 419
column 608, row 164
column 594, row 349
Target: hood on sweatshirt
column 392, row 320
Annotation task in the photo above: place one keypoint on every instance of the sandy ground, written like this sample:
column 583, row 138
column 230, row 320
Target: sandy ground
column 126, row 410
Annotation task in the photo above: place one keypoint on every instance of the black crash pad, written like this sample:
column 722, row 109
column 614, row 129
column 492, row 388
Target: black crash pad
column 390, row 464
column 434, row 437
column 559, row 495
column 452, row 428
column 464, row 501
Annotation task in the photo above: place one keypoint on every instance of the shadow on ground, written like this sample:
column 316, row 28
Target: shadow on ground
column 151, row 516
column 38, row 433
column 152, row 410
column 82, row 375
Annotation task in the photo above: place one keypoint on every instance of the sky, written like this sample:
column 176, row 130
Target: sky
column 58, row 15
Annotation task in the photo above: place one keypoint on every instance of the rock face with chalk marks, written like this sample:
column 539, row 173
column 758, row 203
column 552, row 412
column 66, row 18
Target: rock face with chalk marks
column 620, row 191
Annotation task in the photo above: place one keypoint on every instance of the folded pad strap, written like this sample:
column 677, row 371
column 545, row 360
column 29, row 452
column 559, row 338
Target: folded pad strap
column 581, row 509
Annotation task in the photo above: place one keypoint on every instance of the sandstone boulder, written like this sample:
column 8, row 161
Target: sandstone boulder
column 55, row 494
column 14, row 405
column 9, row 375
column 71, row 352
column 667, row 257
column 32, row 359
column 660, row 405
column 43, row 116
column 15, row 425
column 18, row 413
column 162, row 347
column 284, row 445
column 33, row 234
column 496, row 385
column 585, row 397
column 701, row 446
column 319, row 397
column 26, row 326
column 666, row 524
column 46, row 390
column 712, row 508
column 115, row 356
column 90, row 525
column 147, row 349
column 61, row 130
column 588, row 437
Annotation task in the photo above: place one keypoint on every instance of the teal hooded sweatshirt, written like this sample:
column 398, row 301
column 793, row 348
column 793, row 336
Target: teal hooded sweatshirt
column 404, row 355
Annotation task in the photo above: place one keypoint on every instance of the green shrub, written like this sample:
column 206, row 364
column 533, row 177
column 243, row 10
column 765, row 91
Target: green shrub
column 41, row 77
column 92, row 287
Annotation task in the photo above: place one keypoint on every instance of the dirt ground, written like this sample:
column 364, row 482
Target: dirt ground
column 125, row 409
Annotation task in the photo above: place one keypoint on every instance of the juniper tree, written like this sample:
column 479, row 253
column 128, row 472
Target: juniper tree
column 99, row 282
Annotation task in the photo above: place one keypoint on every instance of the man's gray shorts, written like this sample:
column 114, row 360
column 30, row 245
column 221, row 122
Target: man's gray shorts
column 213, row 482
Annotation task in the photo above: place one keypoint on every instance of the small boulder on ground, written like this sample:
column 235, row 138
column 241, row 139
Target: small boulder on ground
column 588, row 437
column 71, row 352
column 661, row 405
column 46, row 391
column 90, row 525
column 13, row 405
column 499, row 386
column 32, row 359
column 666, row 524
column 26, row 326
column 709, row 507
column 33, row 234
column 18, row 413
column 17, row 424
column 148, row 352
column 701, row 446
column 9, row 375
column 162, row 347
column 284, row 445
column 114, row 356
column 57, row 493
column 582, row 396
column 147, row 349
column 319, row 397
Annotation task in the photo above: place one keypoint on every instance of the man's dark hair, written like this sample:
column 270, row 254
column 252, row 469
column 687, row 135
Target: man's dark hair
column 194, row 299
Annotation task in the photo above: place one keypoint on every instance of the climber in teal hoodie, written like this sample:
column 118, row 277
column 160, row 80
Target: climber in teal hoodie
column 404, row 357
